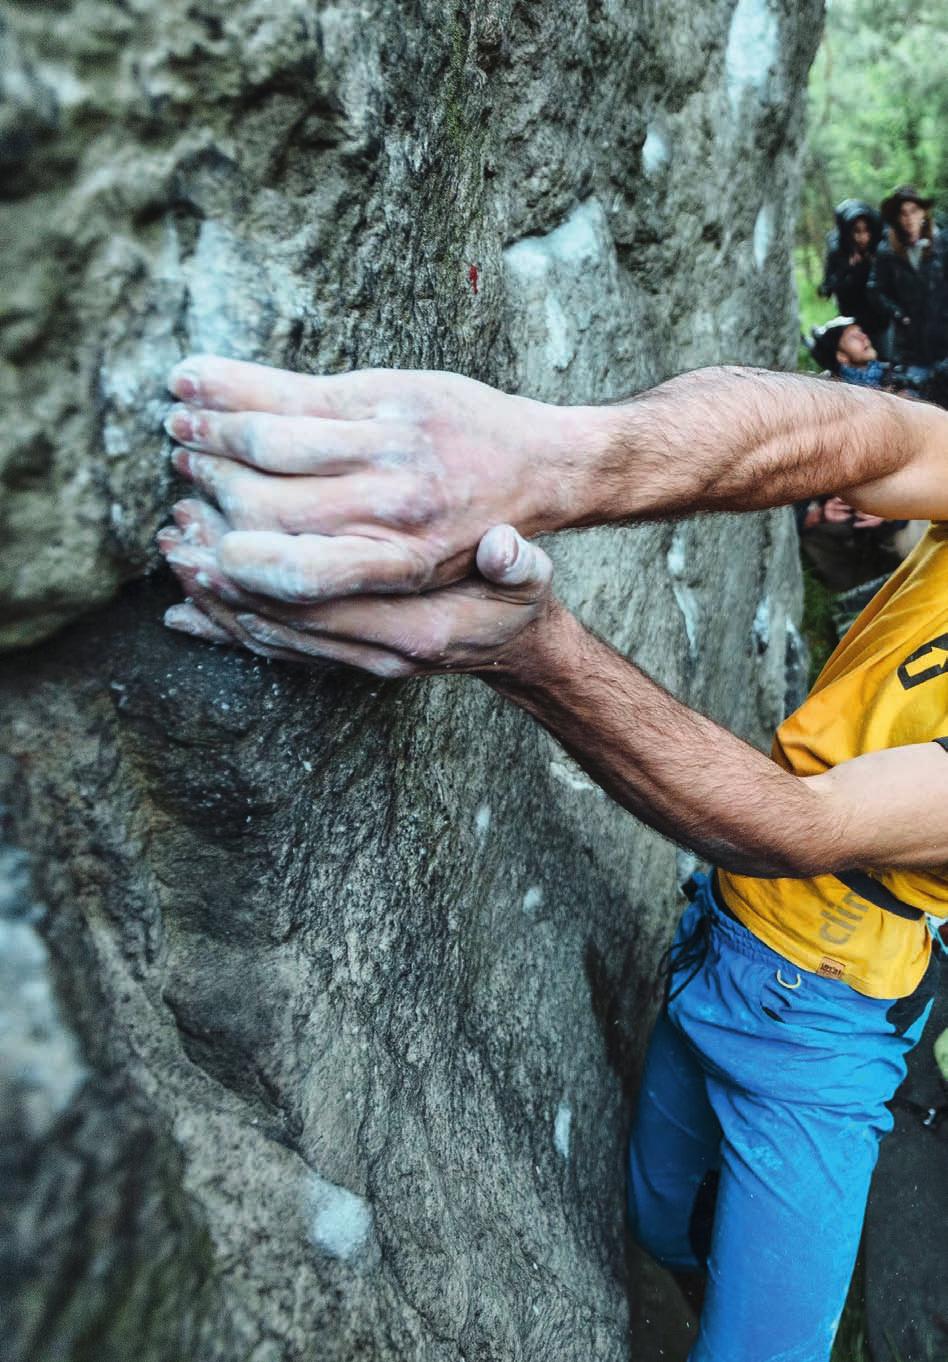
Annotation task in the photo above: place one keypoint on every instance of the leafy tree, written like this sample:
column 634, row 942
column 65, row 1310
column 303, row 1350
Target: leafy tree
column 878, row 109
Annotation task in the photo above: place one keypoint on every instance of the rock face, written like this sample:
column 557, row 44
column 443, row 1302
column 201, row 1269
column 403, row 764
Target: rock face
column 325, row 1037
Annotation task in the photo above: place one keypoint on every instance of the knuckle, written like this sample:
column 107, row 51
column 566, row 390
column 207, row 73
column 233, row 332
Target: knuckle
column 232, row 506
column 401, row 444
column 417, row 568
column 420, row 502
column 292, row 513
column 202, row 470
column 211, row 476
column 434, row 645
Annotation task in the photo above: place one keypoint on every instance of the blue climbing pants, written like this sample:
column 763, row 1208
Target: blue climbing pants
column 762, row 1105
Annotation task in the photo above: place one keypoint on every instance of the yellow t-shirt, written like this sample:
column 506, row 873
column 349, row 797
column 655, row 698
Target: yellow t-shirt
column 886, row 685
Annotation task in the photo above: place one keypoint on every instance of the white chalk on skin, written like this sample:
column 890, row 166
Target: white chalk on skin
column 505, row 557
column 187, row 619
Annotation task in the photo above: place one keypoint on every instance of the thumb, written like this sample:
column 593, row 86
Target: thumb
column 505, row 558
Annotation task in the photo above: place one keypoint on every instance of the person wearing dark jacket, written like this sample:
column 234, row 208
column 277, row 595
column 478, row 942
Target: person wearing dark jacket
column 908, row 282
column 851, row 247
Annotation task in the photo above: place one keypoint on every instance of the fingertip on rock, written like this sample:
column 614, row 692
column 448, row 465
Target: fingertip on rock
column 184, row 380
column 182, row 617
column 186, row 618
column 179, row 422
column 191, row 556
column 168, row 538
column 182, row 460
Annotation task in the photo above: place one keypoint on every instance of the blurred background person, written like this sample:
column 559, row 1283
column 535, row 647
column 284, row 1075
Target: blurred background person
column 843, row 348
column 850, row 248
column 908, row 285
column 847, row 548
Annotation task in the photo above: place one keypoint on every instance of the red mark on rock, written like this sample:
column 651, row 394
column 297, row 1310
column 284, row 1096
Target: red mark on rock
column 473, row 275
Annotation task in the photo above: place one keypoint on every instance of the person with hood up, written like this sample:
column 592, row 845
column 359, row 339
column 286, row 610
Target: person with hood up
column 850, row 249
column 908, row 282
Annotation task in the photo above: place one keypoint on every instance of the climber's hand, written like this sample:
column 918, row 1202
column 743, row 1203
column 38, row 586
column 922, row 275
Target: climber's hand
column 385, row 479
column 472, row 626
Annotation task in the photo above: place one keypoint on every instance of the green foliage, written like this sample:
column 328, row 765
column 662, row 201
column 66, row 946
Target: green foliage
column 812, row 308
column 818, row 625
column 878, row 109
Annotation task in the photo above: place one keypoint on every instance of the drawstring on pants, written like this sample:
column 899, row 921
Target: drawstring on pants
column 686, row 955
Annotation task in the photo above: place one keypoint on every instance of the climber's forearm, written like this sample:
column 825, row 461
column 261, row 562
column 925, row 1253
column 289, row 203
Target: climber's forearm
column 673, row 768
column 729, row 439
column 386, row 481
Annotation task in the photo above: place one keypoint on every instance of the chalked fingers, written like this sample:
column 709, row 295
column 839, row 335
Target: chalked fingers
column 206, row 618
column 292, row 444
column 295, row 643
column 360, row 504
column 200, row 524
column 199, row 573
column 245, row 498
column 188, row 619
column 235, row 385
column 313, row 567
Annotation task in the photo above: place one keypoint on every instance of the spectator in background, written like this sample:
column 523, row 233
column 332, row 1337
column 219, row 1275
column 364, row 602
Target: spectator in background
column 843, row 347
column 851, row 247
column 844, row 547
column 908, row 283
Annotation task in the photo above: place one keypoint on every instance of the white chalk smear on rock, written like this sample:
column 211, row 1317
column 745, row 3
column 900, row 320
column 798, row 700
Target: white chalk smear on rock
column 341, row 1222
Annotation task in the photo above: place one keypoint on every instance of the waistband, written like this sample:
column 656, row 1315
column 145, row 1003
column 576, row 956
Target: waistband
column 703, row 890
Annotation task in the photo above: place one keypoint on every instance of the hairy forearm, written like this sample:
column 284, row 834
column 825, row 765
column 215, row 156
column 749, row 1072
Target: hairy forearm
column 676, row 770
column 729, row 439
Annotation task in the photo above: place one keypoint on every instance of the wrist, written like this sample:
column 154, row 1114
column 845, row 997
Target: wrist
column 536, row 656
column 577, row 466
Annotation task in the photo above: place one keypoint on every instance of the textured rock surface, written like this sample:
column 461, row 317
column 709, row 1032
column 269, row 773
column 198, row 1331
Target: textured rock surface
column 352, row 979
column 100, row 1253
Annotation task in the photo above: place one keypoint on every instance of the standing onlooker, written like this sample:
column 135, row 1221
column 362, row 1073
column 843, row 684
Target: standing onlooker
column 850, row 249
column 908, row 282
